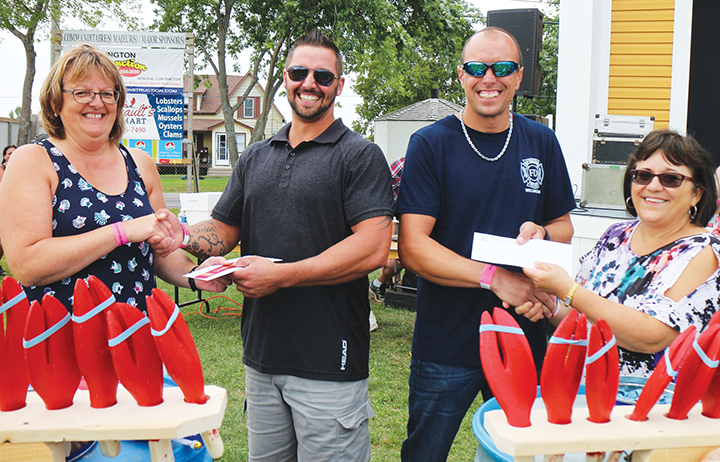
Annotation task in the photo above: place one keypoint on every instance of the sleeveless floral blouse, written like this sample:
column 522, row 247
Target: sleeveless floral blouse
column 78, row 207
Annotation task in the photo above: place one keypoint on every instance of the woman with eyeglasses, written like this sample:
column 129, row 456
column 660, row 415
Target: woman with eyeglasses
column 655, row 276
column 79, row 203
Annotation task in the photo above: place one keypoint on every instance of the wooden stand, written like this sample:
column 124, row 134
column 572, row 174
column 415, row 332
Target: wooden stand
column 620, row 434
column 174, row 418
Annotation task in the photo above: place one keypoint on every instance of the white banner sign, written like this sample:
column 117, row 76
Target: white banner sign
column 97, row 38
column 153, row 77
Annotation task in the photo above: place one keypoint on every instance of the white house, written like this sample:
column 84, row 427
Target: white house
column 209, row 124
column 393, row 130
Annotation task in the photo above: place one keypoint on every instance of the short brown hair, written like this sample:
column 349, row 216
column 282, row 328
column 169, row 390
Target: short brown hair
column 678, row 150
column 75, row 65
column 315, row 38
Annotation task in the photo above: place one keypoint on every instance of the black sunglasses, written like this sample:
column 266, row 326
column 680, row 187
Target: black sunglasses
column 500, row 68
column 322, row 76
column 668, row 180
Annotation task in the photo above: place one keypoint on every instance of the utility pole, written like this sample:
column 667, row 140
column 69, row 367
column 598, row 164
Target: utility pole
column 190, row 140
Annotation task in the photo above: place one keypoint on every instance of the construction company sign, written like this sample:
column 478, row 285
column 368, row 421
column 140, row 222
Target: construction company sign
column 151, row 64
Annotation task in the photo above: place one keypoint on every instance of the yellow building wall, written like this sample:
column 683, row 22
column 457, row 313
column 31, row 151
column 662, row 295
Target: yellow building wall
column 641, row 59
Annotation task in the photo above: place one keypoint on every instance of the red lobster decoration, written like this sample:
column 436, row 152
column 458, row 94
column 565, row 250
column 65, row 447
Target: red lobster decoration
column 50, row 353
column 696, row 372
column 136, row 359
column 176, row 346
column 13, row 369
column 711, row 399
column 512, row 377
column 563, row 366
column 90, row 300
column 665, row 371
column 602, row 378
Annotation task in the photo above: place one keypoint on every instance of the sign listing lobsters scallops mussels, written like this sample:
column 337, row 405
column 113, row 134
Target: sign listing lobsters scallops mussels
column 152, row 68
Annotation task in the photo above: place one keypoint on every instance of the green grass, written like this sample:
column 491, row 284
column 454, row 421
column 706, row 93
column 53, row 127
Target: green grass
column 175, row 184
column 218, row 341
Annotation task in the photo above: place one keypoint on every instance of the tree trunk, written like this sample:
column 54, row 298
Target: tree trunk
column 271, row 87
column 259, row 130
column 24, row 132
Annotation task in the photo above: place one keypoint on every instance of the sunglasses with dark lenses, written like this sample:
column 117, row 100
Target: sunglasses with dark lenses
column 322, row 76
column 500, row 68
column 668, row 180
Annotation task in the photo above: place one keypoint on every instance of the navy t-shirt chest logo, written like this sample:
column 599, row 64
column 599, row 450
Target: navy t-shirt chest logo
column 532, row 173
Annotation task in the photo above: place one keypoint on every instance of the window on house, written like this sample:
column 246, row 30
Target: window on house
column 249, row 108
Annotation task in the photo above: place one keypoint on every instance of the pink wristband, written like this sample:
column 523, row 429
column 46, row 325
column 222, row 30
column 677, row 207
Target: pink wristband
column 119, row 233
column 487, row 276
column 186, row 235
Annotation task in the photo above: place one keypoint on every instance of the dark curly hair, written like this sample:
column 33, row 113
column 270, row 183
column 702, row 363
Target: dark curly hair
column 678, row 150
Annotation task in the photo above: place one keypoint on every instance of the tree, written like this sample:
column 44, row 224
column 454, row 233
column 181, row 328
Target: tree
column 25, row 18
column 268, row 28
column 406, row 66
column 17, row 16
column 403, row 72
column 218, row 39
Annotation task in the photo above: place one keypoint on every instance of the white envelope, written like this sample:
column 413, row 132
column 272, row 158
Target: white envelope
column 506, row 251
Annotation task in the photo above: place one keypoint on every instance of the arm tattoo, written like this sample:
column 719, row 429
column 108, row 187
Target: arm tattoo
column 206, row 241
column 386, row 222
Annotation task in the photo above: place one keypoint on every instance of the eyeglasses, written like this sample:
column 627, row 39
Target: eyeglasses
column 668, row 180
column 322, row 76
column 500, row 68
column 86, row 96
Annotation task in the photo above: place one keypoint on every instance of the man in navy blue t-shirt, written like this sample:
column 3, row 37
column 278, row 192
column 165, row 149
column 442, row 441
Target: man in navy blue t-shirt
column 484, row 170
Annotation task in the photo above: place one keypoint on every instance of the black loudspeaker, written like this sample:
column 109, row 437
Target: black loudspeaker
column 527, row 28
column 703, row 99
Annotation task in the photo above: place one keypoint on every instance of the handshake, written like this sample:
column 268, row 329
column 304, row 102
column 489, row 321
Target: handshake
column 164, row 232
column 254, row 276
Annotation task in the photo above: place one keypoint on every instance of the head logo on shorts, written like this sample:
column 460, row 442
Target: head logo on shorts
column 532, row 173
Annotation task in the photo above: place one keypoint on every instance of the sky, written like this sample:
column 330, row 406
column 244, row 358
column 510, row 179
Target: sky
column 13, row 58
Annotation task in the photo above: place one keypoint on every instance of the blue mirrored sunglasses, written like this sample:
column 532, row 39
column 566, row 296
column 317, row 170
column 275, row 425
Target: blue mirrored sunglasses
column 500, row 68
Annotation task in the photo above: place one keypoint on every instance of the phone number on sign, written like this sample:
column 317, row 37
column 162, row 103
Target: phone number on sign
column 131, row 129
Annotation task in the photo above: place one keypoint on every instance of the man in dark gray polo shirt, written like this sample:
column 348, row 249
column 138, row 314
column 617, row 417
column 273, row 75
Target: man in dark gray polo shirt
column 317, row 196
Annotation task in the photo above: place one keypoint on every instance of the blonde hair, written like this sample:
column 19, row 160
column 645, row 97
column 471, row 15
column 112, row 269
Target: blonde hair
column 75, row 65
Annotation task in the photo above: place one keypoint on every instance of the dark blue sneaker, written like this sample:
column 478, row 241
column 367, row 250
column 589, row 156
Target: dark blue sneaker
column 378, row 293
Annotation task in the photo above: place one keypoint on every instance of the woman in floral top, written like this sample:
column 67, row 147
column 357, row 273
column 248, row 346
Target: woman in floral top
column 653, row 277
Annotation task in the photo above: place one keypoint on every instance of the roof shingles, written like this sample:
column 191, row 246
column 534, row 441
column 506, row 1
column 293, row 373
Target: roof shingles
column 431, row 109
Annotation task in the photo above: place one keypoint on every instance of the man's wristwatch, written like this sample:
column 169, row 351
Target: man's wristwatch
column 191, row 281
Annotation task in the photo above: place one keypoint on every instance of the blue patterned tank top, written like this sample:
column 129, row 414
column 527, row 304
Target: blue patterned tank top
column 78, row 208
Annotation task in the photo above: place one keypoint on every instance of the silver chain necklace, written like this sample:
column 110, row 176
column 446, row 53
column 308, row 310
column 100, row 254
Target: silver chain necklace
column 477, row 151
